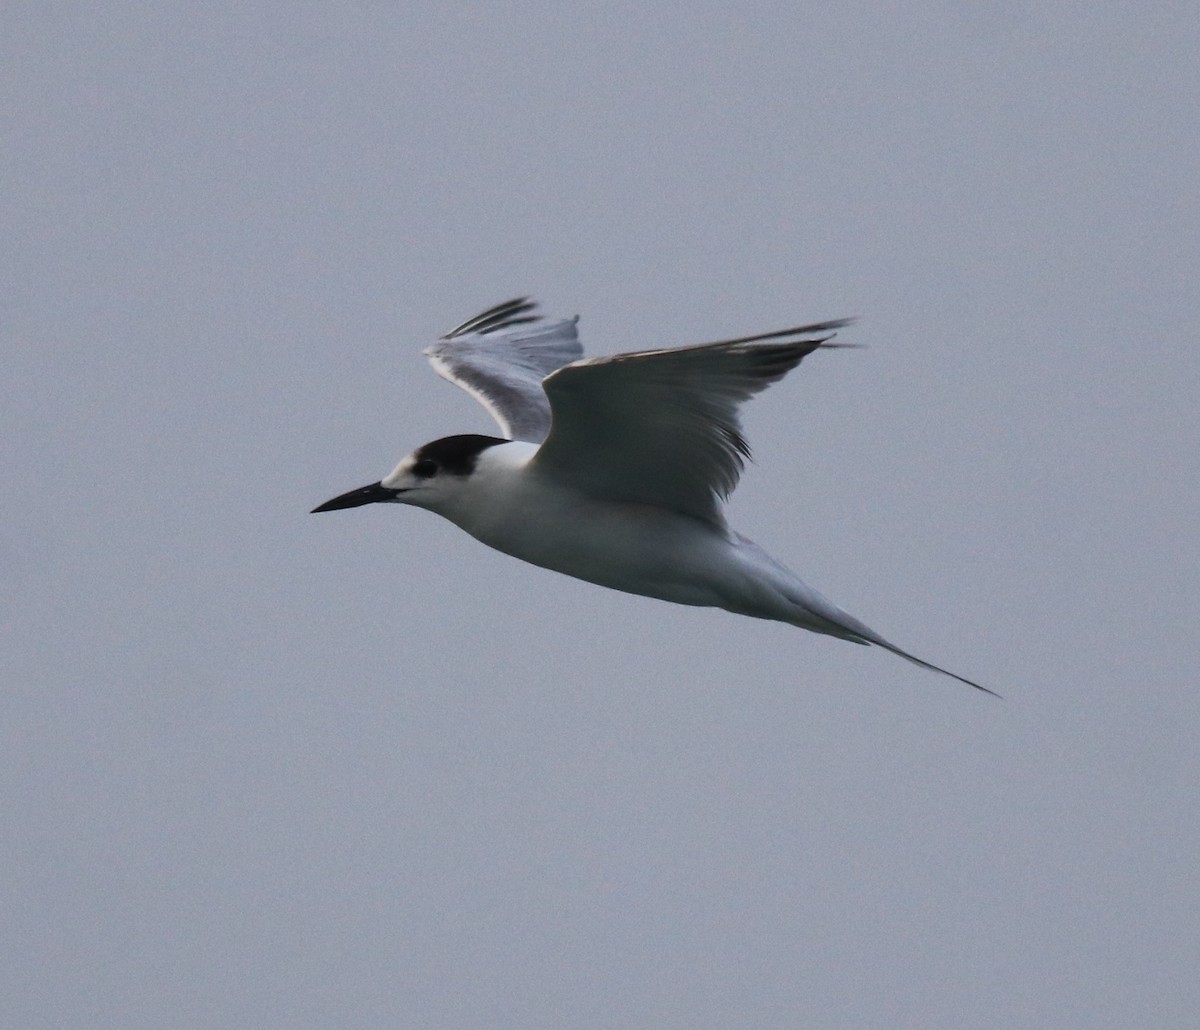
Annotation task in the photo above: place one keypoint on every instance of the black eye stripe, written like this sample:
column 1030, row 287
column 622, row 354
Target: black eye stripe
column 451, row 455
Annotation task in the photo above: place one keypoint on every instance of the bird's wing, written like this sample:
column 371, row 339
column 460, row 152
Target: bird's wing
column 661, row 427
column 500, row 359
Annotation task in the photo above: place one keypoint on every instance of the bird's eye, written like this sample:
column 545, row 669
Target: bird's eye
column 424, row 468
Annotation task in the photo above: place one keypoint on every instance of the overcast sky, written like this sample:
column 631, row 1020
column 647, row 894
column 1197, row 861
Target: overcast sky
column 265, row 769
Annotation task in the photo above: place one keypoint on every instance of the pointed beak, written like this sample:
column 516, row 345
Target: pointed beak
column 355, row 498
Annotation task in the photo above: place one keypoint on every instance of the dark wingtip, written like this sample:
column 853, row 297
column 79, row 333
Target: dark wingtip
column 513, row 312
column 796, row 334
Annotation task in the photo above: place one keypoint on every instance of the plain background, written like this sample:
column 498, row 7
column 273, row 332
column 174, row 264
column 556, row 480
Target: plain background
column 265, row 769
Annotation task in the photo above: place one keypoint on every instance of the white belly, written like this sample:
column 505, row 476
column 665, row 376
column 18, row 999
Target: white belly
column 637, row 548
column 630, row 547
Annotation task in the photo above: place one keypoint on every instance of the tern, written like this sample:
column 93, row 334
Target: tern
column 614, row 470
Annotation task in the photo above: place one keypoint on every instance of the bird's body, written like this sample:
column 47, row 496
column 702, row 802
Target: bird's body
column 626, row 460
column 626, row 545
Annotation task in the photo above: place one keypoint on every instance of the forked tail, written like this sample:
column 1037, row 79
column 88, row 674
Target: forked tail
column 804, row 607
column 880, row 642
column 850, row 628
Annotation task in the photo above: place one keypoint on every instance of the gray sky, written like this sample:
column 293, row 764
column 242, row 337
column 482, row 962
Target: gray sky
column 265, row 769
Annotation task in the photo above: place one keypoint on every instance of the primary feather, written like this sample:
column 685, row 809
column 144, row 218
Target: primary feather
column 500, row 357
column 661, row 427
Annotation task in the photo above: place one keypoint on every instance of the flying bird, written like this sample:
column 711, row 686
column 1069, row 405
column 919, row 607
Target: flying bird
column 615, row 469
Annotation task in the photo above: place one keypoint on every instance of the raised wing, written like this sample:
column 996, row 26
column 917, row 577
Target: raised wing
column 500, row 358
column 661, row 427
